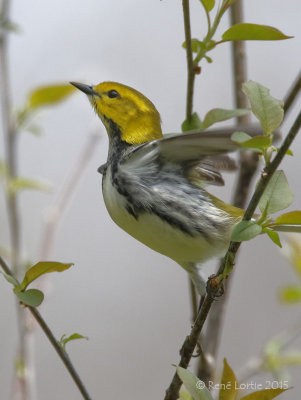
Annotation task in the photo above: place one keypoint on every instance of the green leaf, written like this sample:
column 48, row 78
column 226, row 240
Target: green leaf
column 266, row 108
column 246, row 31
column 257, row 142
column 229, row 386
column 210, row 45
column 273, row 236
column 184, row 394
column 290, row 294
column 290, row 218
column 10, row 26
column 240, row 137
column 193, row 123
column 41, row 268
column 220, row 114
column 208, row 59
column 19, row 183
column 34, row 129
column 288, row 152
column 208, row 4
column 196, row 45
column 31, row 297
column 277, row 194
column 267, row 394
column 245, row 230
column 194, row 385
column 64, row 339
column 9, row 278
column 49, row 95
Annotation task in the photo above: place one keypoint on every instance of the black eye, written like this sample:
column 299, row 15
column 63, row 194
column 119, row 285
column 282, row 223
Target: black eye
column 113, row 93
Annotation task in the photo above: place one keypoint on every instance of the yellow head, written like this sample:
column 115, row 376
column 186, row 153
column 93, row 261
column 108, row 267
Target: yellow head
column 134, row 114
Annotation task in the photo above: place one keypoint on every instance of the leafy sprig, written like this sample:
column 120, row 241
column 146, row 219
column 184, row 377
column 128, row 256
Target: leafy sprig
column 201, row 47
column 277, row 195
column 34, row 297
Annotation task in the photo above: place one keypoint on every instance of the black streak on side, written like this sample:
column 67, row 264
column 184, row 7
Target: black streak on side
column 119, row 147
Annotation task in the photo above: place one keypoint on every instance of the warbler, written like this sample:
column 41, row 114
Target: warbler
column 154, row 186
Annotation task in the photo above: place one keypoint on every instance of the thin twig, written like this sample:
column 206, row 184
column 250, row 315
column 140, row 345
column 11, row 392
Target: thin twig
column 62, row 354
column 190, row 67
column 4, row 11
column 292, row 93
column 215, row 285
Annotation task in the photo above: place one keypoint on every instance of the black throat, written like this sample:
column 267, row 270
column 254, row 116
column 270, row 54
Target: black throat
column 117, row 146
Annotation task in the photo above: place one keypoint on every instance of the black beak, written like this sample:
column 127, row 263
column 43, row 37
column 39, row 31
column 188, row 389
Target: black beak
column 84, row 88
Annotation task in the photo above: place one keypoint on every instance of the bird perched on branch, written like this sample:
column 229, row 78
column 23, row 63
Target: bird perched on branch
column 154, row 186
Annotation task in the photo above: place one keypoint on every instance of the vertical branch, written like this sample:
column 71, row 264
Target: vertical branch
column 239, row 62
column 22, row 381
column 9, row 138
column 247, row 167
column 248, row 160
column 190, row 67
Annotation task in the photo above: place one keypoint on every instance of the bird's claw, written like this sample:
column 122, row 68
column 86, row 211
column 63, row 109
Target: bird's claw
column 215, row 287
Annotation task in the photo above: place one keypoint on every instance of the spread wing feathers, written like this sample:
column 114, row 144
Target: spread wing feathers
column 200, row 155
column 194, row 146
column 185, row 147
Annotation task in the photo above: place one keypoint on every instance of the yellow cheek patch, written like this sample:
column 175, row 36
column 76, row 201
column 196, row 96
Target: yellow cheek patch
column 135, row 115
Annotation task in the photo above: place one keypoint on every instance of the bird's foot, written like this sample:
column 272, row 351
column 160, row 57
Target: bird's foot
column 214, row 286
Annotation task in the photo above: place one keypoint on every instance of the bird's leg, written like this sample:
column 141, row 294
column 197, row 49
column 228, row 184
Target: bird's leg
column 196, row 276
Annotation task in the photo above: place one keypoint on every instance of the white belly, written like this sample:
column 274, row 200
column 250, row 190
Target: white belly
column 157, row 233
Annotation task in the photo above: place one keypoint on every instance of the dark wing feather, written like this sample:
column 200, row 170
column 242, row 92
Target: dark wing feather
column 207, row 170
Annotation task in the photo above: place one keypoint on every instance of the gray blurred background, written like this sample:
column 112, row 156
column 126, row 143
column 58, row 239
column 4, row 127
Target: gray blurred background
column 132, row 303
